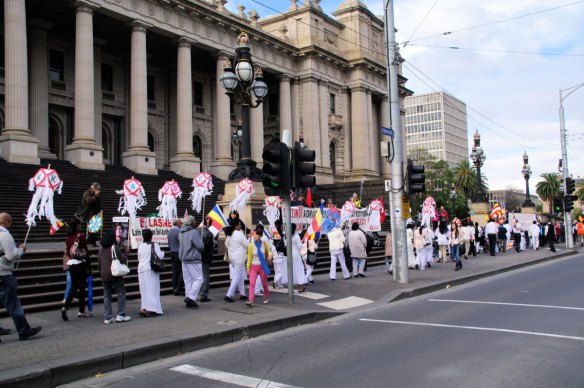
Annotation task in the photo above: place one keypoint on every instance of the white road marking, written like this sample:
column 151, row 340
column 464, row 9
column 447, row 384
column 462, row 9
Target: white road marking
column 345, row 303
column 305, row 294
column 508, row 304
column 475, row 328
column 231, row 378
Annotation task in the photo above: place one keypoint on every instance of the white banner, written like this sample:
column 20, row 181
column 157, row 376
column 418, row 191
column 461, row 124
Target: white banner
column 158, row 226
column 304, row 215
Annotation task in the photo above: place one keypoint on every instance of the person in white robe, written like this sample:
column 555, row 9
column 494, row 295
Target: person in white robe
column 237, row 255
column 149, row 280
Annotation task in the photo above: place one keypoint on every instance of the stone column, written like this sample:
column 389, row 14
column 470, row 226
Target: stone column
column 84, row 151
column 310, row 120
column 223, row 163
column 325, row 160
column 184, row 163
column 295, row 110
column 139, row 158
column 385, row 166
column 359, row 128
column 39, row 86
column 372, row 136
column 17, row 145
column 285, row 106
column 347, row 128
column 256, row 127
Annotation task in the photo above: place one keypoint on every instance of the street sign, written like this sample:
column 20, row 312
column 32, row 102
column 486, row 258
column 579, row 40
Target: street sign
column 387, row 185
column 405, row 208
column 387, row 131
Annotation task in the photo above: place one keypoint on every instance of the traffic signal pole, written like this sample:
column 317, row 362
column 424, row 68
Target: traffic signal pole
column 400, row 259
column 565, row 172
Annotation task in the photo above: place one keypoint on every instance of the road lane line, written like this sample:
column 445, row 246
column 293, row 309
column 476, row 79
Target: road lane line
column 231, row 378
column 475, row 328
column 306, row 294
column 508, row 304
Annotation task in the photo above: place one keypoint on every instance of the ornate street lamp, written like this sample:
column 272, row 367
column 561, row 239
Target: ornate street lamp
column 242, row 81
column 453, row 197
column 237, row 138
column 478, row 158
column 526, row 171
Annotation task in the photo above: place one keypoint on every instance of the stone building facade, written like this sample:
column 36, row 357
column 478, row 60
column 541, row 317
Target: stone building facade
column 136, row 83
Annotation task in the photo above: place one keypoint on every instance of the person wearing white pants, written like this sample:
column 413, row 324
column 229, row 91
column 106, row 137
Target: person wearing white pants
column 311, row 247
column 358, row 246
column 534, row 235
column 236, row 245
column 190, row 254
column 336, row 243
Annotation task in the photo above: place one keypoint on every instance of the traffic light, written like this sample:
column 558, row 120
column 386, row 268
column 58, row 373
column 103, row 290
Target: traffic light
column 558, row 204
column 416, row 178
column 570, row 186
column 303, row 168
column 276, row 169
column 569, row 202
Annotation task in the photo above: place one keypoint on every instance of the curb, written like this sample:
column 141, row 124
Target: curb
column 73, row 368
column 456, row 282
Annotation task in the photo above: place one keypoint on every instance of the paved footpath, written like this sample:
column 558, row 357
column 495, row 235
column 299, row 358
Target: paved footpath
column 83, row 347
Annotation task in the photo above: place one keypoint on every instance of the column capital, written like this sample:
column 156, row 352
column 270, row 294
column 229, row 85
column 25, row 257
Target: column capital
column 86, row 6
column 139, row 25
column 184, row 41
column 39, row 24
column 285, row 77
column 223, row 55
column 359, row 88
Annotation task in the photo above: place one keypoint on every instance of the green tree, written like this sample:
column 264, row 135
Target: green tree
column 549, row 187
column 465, row 178
column 580, row 191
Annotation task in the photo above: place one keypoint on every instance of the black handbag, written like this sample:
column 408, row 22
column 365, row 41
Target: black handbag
column 462, row 249
column 156, row 264
column 311, row 258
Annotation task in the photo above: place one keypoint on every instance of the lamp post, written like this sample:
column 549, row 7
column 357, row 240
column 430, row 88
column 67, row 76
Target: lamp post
column 565, row 172
column 453, row 197
column 478, row 158
column 526, row 171
column 242, row 81
column 237, row 139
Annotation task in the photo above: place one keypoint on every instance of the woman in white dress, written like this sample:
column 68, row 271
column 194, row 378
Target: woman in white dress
column 237, row 245
column 297, row 263
column 410, row 246
column 148, row 279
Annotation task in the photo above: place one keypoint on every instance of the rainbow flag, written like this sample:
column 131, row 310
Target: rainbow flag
column 218, row 220
column 53, row 230
column 314, row 228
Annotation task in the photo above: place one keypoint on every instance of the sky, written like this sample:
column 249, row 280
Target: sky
column 513, row 58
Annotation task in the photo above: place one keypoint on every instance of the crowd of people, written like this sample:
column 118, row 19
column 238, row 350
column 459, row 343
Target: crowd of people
column 252, row 254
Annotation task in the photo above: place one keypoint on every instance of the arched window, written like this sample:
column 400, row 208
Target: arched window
column 55, row 138
column 333, row 156
column 150, row 141
column 197, row 148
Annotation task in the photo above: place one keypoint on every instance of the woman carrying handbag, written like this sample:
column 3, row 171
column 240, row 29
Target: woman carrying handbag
column 78, row 262
column 108, row 252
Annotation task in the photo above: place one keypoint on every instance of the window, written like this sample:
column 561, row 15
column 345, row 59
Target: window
column 197, row 146
column 107, row 77
column 197, row 93
column 150, row 86
column 57, row 65
column 333, row 157
column 273, row 102
column 332, row 99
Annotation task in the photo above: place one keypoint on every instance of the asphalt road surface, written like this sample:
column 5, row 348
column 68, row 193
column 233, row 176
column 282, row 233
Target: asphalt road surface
column 521, row 329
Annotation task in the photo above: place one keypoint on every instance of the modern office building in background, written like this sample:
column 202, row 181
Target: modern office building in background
column 436, row 122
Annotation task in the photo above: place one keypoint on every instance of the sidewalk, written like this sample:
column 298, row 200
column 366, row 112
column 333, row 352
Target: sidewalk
column 67, row 351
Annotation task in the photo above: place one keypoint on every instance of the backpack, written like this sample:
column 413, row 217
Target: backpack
column 156, row 264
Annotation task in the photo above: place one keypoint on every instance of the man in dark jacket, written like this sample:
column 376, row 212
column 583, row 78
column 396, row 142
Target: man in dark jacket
column 190, row 254
column 551, row 236
column 209, row 243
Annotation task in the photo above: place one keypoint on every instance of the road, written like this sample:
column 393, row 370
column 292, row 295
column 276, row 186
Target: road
column 521, row 329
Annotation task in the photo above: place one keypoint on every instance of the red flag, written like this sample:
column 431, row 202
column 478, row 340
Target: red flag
column 308, row 198
column 382, row 216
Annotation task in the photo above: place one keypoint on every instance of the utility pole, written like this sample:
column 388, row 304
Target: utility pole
column 565, row 172
column 400, row 258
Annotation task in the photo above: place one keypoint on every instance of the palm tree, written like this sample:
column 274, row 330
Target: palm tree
column 465, row 178
column 549, row 187
column 580, row 191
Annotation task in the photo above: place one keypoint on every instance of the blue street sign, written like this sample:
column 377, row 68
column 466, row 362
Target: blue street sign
column 387, row 132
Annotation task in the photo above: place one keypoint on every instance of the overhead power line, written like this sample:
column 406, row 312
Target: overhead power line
column 495, row 50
